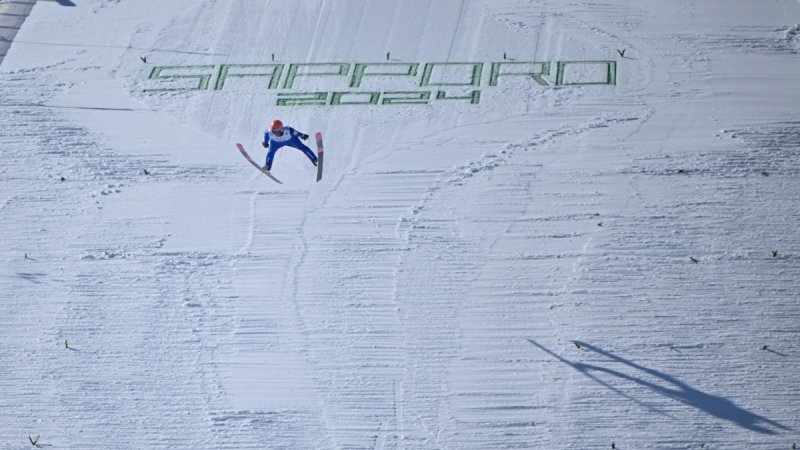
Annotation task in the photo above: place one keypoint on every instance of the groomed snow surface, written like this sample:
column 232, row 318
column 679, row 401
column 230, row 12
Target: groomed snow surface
column 597, row 250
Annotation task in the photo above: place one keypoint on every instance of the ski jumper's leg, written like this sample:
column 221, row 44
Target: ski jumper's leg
column 298, row 144
column 273, row 148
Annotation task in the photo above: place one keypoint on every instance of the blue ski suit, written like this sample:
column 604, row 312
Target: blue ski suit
column 290, row 137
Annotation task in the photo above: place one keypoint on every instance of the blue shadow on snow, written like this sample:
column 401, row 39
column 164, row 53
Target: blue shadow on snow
column 675, row 389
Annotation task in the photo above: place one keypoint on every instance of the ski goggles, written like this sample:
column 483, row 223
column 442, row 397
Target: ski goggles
column 278, row 132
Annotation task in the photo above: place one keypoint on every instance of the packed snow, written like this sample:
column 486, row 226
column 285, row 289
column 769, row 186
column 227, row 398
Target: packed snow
column 541, row 224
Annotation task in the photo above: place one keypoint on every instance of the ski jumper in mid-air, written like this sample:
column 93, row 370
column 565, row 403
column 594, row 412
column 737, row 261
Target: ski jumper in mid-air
column 279, row 136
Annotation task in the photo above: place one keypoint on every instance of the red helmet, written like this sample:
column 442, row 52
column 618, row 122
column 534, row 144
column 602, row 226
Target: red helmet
column 276, row 125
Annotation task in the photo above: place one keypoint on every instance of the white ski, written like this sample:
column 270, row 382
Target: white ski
column 263, row 170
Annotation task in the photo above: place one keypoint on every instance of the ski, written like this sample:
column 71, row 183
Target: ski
column 320, row 149
column 264, row 171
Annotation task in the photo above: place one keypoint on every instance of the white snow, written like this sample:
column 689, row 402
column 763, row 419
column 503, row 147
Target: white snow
column 533, row 266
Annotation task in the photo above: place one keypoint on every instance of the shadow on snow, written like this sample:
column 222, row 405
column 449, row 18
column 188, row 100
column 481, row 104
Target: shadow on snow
column 673, row 388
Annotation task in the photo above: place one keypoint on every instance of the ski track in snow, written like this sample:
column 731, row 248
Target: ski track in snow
column 558, row 268
column 111, row 296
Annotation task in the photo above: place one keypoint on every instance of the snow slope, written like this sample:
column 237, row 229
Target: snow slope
column 601, row 259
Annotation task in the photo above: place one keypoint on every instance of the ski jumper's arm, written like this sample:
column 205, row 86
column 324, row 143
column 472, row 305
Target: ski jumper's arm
column 265, row 143
column 294, row 132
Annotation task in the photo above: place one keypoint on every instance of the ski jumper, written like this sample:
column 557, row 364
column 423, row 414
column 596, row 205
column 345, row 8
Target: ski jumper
column 290, row 137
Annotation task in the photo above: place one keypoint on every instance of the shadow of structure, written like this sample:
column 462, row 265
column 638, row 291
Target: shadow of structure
column 12, row 16
column 673, row 388
column 776, row 353
column 94, row 108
